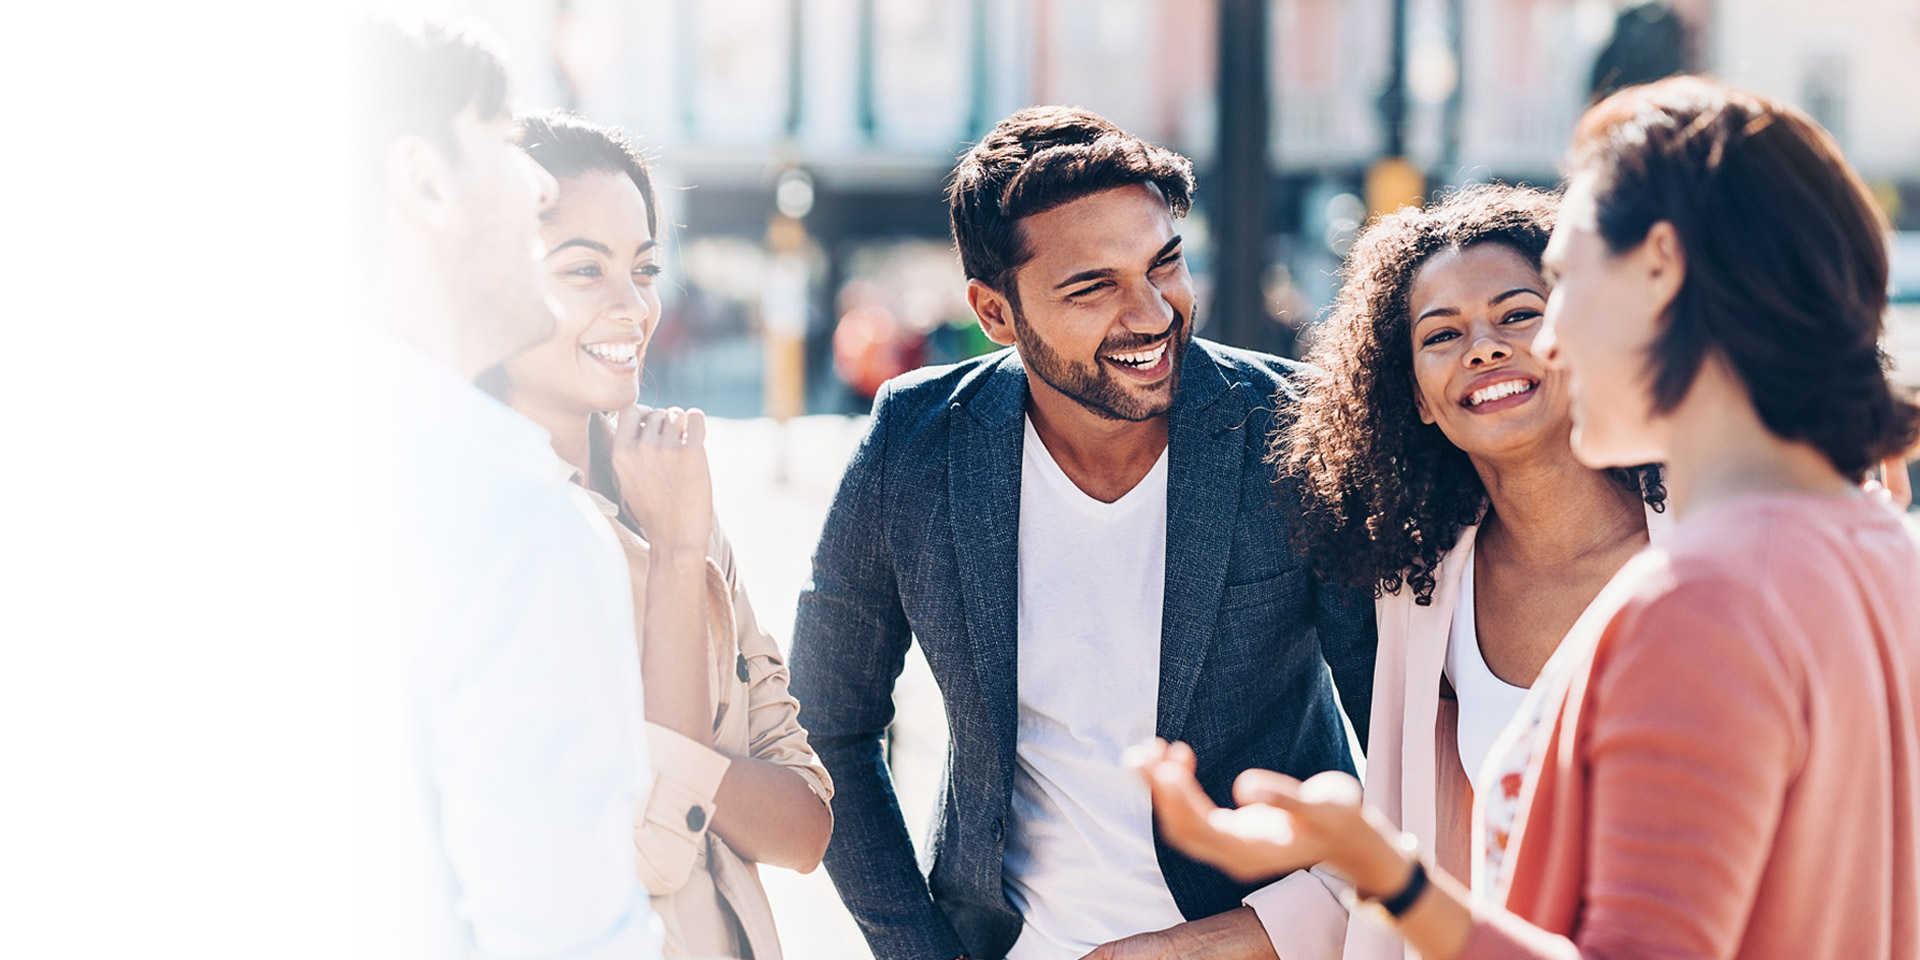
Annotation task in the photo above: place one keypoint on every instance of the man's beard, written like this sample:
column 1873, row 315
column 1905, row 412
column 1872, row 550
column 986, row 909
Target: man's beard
column 1095, row 388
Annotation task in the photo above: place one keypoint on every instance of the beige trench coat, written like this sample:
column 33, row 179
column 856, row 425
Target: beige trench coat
column 709, row 899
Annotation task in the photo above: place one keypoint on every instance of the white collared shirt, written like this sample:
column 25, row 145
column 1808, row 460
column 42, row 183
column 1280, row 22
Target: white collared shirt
column 501, row 726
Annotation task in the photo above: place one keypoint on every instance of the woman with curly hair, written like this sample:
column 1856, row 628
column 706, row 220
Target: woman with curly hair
column 1722, row 760
column 1434, row 457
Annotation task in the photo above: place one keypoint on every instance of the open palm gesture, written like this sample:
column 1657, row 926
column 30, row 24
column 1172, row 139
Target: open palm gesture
column 1281, row 825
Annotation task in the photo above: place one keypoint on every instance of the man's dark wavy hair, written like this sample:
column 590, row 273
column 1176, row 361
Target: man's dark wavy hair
column 1385, row 496
column 1040, row 158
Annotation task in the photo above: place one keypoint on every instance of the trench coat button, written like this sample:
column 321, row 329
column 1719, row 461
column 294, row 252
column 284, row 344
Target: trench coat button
column 696, row 818
column 740, row 666
column 997, row 828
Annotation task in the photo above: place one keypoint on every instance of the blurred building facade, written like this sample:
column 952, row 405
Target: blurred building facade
column 805, row 142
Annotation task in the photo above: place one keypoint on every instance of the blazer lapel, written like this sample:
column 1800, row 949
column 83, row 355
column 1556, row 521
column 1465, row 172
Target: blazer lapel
column 1205, row 454
column 1428, row 629
column 984, row 450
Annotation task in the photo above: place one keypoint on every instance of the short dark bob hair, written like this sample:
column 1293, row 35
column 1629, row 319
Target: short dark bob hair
column 1786, row 258
column 1040, row 158
column 1383, row 495
column 568, row 145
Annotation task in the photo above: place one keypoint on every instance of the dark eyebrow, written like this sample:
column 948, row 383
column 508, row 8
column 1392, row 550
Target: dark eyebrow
column 1451, row 312
column 1516, row 291
column 599, row 248
column 1105, row 272
column 1086, row 275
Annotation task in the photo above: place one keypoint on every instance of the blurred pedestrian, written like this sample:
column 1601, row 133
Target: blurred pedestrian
column 501, row 722
column 1720, row 760
column 1080, row 533
column 1483, row 551
column 735, row 782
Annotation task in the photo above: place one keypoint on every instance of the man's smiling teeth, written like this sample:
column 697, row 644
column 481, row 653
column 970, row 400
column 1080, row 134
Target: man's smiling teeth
column 1141, row 359
column 613, row 352
column 1498, row 391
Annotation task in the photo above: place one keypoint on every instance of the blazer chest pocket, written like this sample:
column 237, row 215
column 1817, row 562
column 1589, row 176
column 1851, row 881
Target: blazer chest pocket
column 1240, row 596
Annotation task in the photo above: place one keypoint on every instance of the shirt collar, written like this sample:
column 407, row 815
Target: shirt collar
column 573, row 475
column 413, row 388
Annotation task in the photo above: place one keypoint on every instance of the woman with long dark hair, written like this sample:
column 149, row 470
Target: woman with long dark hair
column 1723, row 757
column 735, row 783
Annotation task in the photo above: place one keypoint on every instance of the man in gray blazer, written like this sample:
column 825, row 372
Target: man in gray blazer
column 1083, row 536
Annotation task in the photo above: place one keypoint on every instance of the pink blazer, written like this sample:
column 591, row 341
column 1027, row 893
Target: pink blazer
column 1412, row 774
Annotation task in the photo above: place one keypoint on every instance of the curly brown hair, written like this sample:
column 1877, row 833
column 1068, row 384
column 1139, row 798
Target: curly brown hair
column 1383, row 495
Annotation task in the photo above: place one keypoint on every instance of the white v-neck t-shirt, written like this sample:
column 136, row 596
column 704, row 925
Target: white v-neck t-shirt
column 1080, row 864
column 1487, row 703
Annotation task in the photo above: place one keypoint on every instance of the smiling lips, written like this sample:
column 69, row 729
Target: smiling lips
column 1141, row 359
column 1499, row 391
column 614, row 353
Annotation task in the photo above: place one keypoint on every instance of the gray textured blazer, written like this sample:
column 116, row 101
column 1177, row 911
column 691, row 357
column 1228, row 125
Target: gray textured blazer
column 922, row 542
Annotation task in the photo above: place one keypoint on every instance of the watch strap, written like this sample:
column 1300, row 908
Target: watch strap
column 1398, row 904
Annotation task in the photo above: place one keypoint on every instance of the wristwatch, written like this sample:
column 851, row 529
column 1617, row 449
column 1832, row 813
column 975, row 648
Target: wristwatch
column 1397, row 905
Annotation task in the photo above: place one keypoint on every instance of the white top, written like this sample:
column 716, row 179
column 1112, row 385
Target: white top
column 501, row 727
column 1080, row 865
column 1487, row 703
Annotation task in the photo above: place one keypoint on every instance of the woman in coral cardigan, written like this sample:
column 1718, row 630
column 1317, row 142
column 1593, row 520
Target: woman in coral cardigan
column 1723, row 757
column 1488, row 549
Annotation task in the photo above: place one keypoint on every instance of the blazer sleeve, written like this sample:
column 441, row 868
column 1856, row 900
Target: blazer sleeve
column 850, row 640
column 1681, row 818
column 1349, row 635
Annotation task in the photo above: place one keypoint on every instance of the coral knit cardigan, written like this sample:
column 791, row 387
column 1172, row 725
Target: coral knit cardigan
column 1728, row 762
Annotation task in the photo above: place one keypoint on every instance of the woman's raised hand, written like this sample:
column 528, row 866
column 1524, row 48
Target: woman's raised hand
column 660, row 460
column 1282, row 824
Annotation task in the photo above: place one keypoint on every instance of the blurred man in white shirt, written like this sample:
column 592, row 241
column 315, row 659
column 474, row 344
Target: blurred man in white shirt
column 501, row 717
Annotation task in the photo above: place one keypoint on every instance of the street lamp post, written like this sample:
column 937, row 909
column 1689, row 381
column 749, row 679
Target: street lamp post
column 1394, row 181
column 1239, row 199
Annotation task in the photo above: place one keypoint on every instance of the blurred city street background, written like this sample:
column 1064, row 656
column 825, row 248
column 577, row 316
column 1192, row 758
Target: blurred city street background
column 772, row 484
column 803, row 145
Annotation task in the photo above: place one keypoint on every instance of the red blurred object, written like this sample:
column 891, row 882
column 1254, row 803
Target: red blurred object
column 871, row 347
